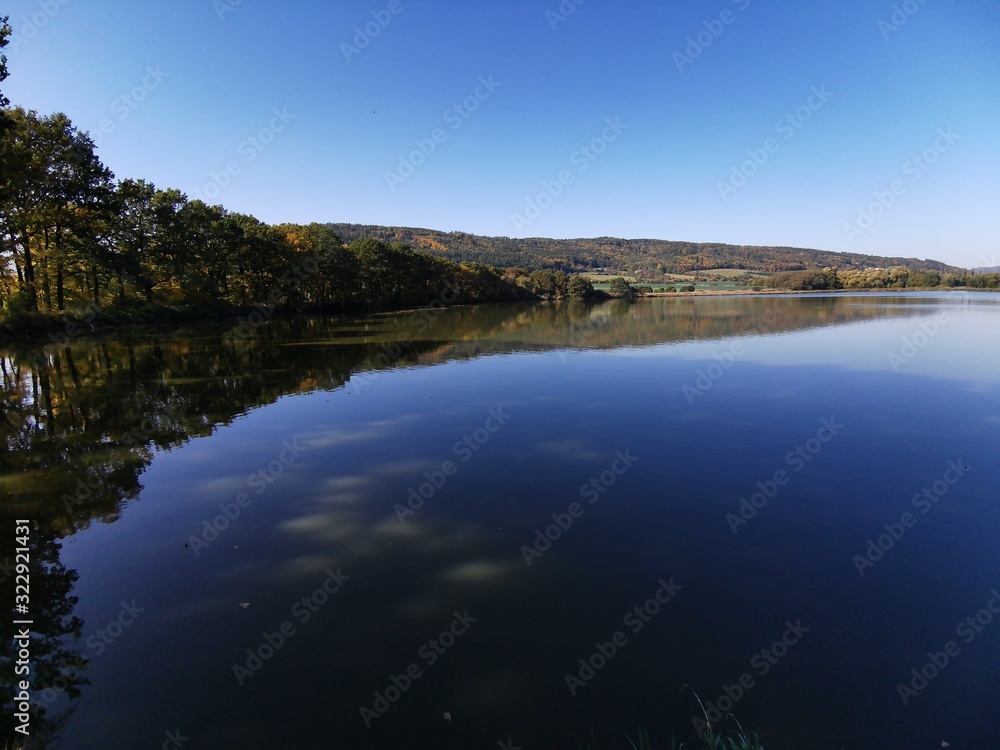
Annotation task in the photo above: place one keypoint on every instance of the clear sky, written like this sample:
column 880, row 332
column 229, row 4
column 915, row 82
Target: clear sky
column 854, row 125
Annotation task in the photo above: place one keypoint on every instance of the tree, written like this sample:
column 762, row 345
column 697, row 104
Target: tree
column 5, row 31
column 543, row 282
column 621, row 288
column 53, row 190
column 336, row 280
column 77, row 208
column 133, row 228
column 580, row 286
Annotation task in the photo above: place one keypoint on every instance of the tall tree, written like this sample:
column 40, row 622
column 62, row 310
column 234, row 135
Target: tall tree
column 75, row 216
column 133, row 231
column 5, row 31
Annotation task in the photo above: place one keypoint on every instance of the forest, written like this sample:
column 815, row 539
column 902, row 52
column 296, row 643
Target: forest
column 74, row 238
column 899, row 277
column 650, row 259
column 71, row 235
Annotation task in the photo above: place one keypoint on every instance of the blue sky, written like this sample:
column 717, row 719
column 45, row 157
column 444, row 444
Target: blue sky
column 851, row 125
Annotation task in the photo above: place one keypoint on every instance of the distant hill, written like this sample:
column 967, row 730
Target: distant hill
column 647, row 258
column 987, row 269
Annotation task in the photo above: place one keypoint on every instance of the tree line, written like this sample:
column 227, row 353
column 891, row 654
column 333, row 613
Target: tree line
column 650, row 259
column 73, row 236
column 899, row 277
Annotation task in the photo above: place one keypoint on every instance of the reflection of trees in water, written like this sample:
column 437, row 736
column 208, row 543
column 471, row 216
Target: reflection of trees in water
column 56, row 664
column 81, row 422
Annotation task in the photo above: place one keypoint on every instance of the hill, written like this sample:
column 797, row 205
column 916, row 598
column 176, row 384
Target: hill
column 643, row 257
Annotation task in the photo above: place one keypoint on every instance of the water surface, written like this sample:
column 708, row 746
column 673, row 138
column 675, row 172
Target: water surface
column 356, row 501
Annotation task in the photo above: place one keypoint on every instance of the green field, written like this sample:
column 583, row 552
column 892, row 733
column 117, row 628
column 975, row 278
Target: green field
column 733, row 272
column 604, row 278
column 702, row 286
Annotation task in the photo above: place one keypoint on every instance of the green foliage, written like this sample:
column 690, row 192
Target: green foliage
column 548, row 283
column 5, row 31
column 580, row 286
column 646, row 258
column 826, row 278
column 898, row 277
column 71, row 236
column 618, row 287
column 688, row 288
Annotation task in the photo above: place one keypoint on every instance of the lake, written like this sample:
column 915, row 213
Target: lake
column 513, row 526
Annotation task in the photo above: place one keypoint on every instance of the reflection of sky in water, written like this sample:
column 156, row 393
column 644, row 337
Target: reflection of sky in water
column 965, row 346
column 569, row 412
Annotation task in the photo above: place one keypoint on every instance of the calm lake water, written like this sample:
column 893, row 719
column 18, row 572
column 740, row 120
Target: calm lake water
column 514, row 525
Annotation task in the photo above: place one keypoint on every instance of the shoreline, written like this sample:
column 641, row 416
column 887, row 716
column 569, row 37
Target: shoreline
column 49, row 328
column 803, row 292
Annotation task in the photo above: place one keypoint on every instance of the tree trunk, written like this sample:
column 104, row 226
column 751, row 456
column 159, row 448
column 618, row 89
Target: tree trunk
column 29, row 275
column 43, row 267
column 60, row 300
column 60, row 290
